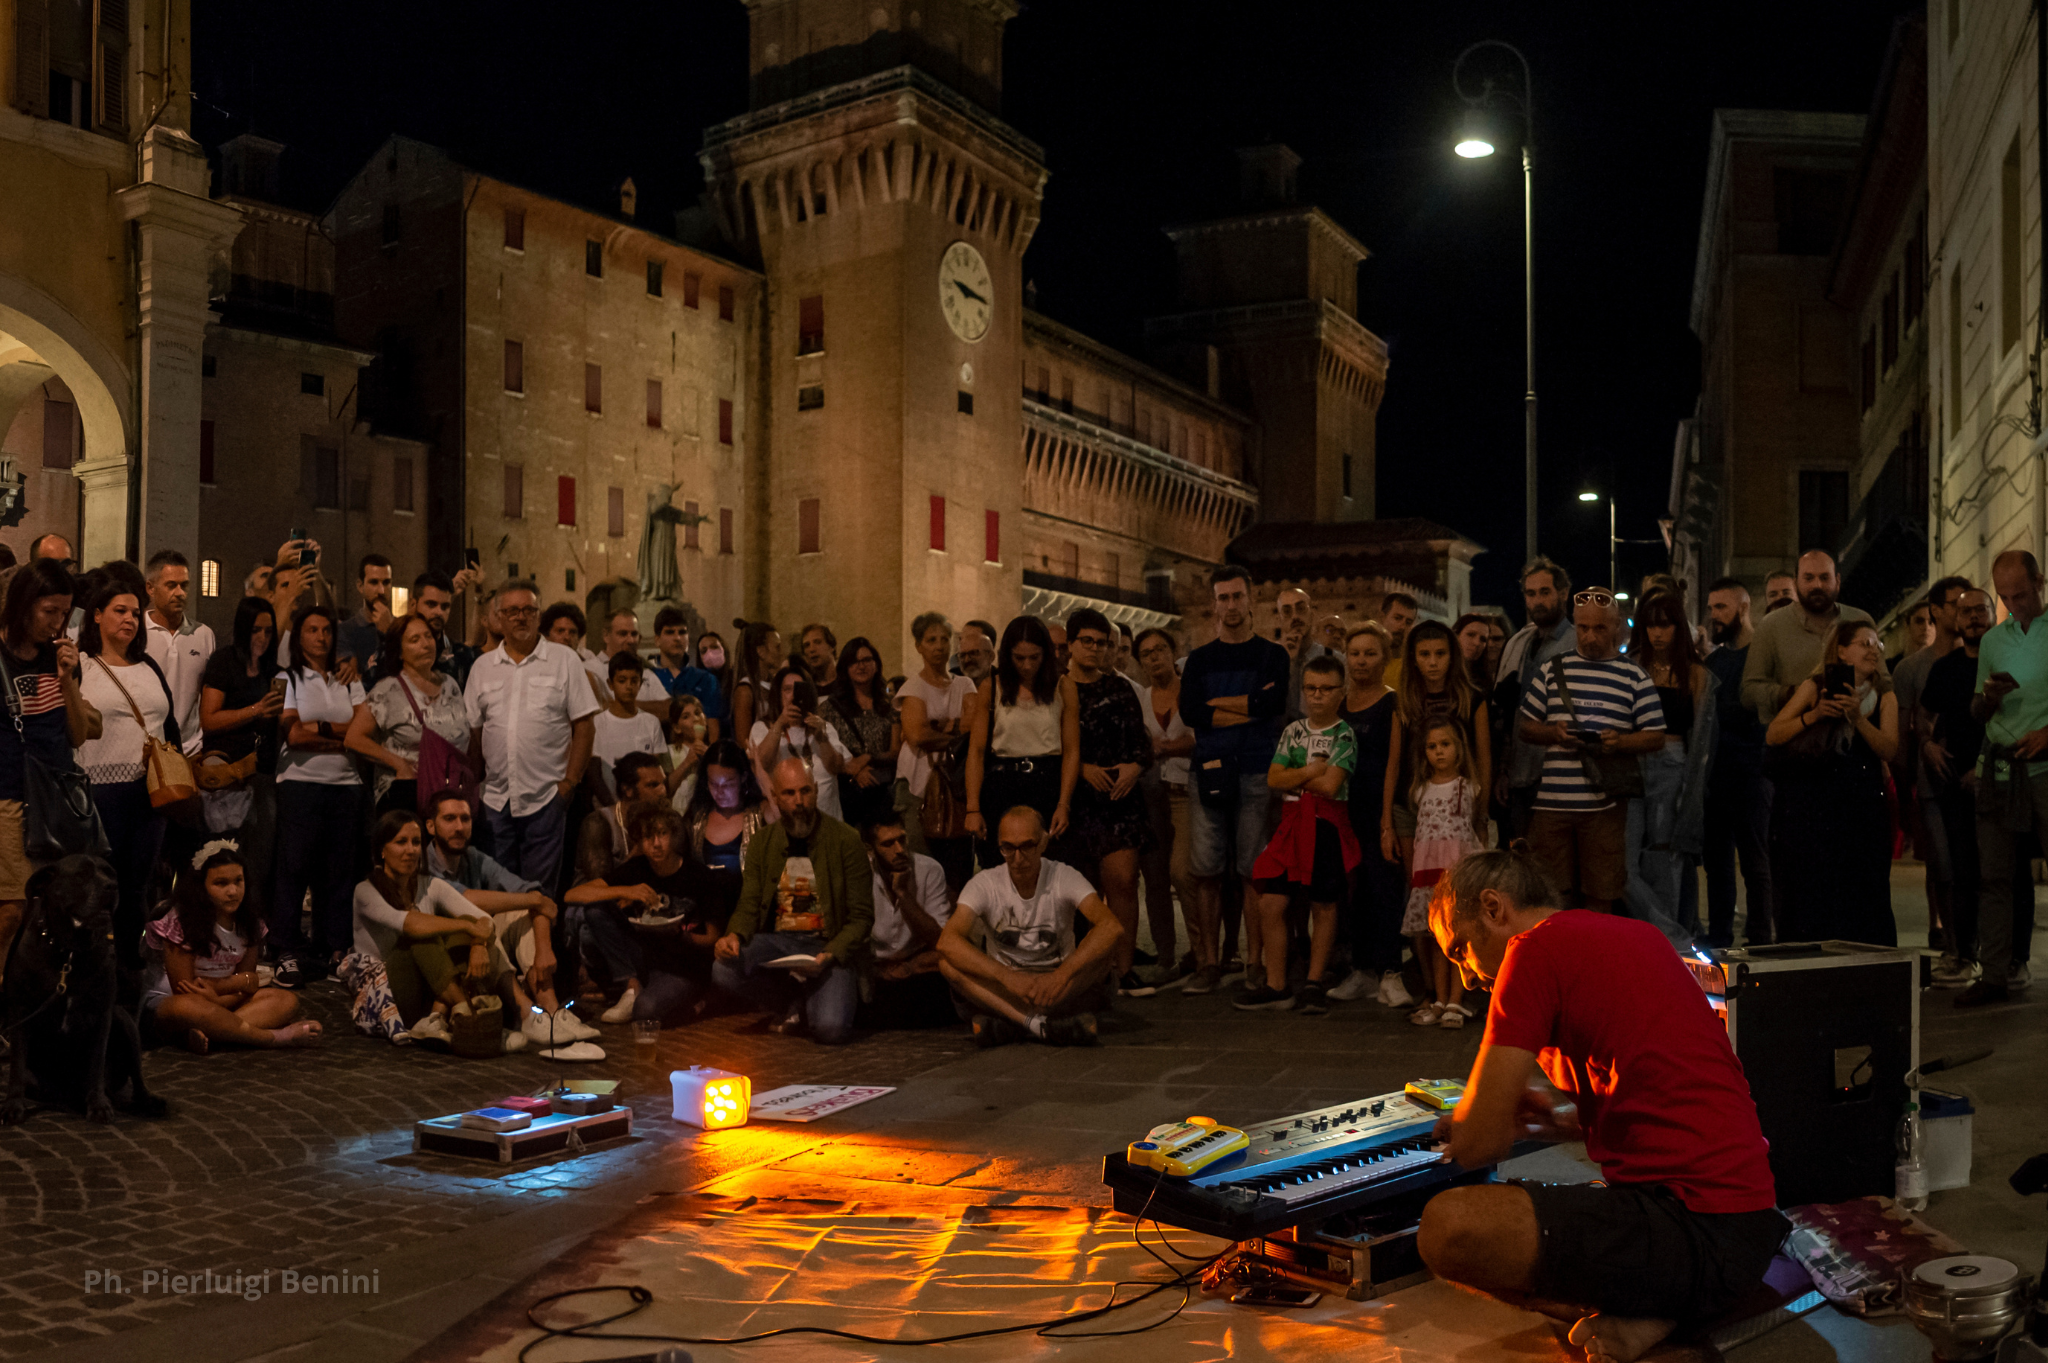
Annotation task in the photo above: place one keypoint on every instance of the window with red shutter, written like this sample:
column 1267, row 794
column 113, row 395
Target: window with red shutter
column 938, row 522
column 205, row 445
column 615, row 512
column 654, row 403
column 725, row 421
column 725, row 530
column 515, row 367
column 992, row 548
column 593, row 388
column 565, row 501
column 810, row 325
column 725, row 302
column 807, row 526
column 691, row 525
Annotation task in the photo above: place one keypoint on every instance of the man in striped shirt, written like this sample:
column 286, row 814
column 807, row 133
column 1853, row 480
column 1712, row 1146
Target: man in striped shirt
column 1605, row 705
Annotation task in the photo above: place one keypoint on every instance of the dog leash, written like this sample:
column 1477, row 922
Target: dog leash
column 63, row 974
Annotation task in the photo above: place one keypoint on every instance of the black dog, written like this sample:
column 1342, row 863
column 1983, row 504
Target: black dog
column 60, row 998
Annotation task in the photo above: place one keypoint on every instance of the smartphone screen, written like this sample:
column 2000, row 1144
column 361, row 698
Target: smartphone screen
column 470, row 557
column 1840, row 678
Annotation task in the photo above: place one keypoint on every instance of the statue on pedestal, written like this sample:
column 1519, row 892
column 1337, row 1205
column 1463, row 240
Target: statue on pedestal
column 659, row 580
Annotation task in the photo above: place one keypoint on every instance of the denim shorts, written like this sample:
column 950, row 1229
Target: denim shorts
column 1248, row 821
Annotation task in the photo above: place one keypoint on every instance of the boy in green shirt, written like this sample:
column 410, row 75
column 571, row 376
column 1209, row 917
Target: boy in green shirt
column 1313, row 851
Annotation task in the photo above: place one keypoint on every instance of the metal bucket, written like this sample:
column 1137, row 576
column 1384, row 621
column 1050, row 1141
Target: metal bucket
column 1966, row 1303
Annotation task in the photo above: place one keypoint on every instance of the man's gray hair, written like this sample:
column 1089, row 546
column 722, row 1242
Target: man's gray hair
column 517, row 584
column 1512, row 874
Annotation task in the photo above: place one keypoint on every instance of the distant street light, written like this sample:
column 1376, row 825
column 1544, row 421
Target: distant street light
column 1589, row 496
column 1614, row 543
column 1479, row 134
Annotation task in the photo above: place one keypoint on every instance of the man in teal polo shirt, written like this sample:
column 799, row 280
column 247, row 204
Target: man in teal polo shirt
column 2012, row 704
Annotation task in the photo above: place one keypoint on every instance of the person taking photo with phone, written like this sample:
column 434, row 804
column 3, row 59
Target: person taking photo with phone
column 1830, row 822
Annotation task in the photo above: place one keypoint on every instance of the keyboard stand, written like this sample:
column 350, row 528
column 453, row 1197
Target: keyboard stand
column 1357, row 1267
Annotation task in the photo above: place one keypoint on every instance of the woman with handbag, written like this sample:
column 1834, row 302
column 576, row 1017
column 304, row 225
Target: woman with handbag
column 240, row 697
column 45, row 811
column 1831, row 859
column 414, row 709
column 122, row 682
column 318, row 794
column 936, row 716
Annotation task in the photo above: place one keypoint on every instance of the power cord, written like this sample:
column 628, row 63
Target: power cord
column 1183, row 1278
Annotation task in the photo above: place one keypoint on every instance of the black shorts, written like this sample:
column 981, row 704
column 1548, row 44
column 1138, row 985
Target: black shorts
column 1635, row 1250
column 1327, row 883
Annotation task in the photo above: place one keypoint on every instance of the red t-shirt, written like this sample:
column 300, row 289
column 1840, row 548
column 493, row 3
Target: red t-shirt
column 1618, row 1022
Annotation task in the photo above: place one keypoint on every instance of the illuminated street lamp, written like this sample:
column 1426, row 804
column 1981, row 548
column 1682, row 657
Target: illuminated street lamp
column 1614, row 543
column 1480, row 133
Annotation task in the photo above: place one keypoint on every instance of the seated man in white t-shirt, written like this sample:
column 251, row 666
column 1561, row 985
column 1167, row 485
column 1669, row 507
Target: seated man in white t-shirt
column 1009, row 950
column 903, row 987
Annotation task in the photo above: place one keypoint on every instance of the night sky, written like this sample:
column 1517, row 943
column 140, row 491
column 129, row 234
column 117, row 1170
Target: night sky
column 1138, row 119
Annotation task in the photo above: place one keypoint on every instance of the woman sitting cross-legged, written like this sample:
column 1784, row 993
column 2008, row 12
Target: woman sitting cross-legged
column 417, row 925
column 200, row 984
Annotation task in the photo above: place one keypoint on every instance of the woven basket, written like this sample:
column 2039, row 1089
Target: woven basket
column 476, row 1030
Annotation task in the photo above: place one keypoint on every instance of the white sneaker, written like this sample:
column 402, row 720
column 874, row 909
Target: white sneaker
column 575, row 1051
column 622, row 1011
column 1950, row 973
column 514, row 1042
column 1356, row 985
column 432, row 1027
column 2018, row 976
column 567, row 1024
column 1394, row 991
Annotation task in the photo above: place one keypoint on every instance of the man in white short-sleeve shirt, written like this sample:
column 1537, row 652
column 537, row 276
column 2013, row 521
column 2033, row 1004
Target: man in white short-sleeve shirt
column 912, row 903
column 180, row 646
column 1009, row 953
column 530, row 713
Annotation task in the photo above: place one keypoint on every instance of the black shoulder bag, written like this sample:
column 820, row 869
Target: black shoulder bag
column 1618, row 774
column 58, row 817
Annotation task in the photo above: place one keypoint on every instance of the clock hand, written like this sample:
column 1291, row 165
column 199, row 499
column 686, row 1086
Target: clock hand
column 969, row 292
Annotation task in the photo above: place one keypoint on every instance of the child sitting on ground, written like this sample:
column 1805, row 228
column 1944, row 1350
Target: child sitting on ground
column 200, row 984
column 1447, row 815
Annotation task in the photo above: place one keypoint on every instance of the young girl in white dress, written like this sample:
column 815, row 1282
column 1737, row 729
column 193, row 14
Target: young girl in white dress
column 1447, row 827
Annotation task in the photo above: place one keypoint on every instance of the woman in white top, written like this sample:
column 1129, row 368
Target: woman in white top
column 416, row 924
column 386, row 730
column 122, row 682
column 937, row 713
column 799, row 731
column 1026, row 747
column 1165, row 866
column 318, row 803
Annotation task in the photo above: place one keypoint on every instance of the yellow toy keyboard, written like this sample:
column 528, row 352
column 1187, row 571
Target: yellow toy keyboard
column 1184, row 1149
column 1441, row 1094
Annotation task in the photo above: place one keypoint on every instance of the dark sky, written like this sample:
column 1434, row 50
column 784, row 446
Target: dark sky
column 1137, row 117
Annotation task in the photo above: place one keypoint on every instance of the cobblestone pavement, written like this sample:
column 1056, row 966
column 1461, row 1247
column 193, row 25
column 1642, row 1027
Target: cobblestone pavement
column 303, row 1159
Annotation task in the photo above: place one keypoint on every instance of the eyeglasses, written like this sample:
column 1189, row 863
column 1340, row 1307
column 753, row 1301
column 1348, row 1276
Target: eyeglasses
column 1016, row 849
column 1594, row 596
column 518, row 612
column 1308, row 690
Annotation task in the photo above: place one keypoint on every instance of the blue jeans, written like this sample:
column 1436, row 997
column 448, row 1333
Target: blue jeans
column 1657, row 872
column 610, row 946
column 828, row 1000
column 1244, row 824
column 316, row 845
column 530, row 846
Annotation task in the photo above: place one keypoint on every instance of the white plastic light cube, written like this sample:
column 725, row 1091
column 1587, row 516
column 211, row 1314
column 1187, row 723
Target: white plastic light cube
column 712, row 1099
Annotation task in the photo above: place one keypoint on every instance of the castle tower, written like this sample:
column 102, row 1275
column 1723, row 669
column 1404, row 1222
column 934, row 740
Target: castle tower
column 889, row 207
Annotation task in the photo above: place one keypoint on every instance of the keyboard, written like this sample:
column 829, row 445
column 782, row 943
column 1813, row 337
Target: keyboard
column 1305, row 1167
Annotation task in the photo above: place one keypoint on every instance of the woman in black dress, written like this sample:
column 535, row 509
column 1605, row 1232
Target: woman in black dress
column 1831, row 857
column 1379, row 888
column 1110, row 829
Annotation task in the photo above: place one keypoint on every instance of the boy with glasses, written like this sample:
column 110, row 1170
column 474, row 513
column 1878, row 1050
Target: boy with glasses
column 1314, row 851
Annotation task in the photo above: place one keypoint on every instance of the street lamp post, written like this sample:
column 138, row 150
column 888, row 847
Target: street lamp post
column 1476, row 141
column 1614, row 543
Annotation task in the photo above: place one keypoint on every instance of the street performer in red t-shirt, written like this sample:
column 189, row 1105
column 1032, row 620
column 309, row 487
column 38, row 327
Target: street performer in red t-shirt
column 1686, row 1221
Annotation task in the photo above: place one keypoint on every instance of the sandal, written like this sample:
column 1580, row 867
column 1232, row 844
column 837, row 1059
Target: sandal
column 1428, row 1014
column 1455, row 1016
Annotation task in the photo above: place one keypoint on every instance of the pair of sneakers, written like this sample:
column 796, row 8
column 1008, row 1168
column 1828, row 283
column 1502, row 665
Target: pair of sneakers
column 1388, row 989
column 559, row 1028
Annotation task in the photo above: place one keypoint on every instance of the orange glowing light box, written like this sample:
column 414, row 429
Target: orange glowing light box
column 712, row 1099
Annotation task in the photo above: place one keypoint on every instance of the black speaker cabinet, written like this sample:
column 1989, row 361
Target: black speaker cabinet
column 1827, row 1033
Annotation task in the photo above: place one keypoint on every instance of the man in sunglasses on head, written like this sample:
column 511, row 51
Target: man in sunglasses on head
column 1594, row 712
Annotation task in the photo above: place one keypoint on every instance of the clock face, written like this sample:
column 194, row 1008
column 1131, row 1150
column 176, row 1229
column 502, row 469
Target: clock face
column 966, row 293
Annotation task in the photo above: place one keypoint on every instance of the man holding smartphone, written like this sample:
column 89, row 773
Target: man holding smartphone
column 2012, row 704
column 1786, row 648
